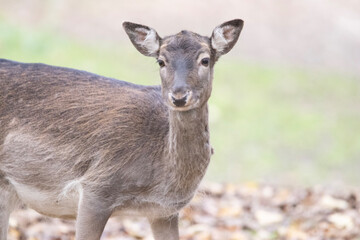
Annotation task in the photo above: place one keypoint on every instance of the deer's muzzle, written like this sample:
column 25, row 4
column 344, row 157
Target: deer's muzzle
column 180, row 99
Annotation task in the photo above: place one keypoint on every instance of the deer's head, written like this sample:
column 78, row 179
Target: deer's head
column 186, row 60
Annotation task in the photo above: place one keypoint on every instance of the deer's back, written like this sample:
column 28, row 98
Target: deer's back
column 59, row 124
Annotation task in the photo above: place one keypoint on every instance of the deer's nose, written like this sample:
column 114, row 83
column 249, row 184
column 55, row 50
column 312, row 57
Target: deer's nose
column 179, row 102
column 180, row 98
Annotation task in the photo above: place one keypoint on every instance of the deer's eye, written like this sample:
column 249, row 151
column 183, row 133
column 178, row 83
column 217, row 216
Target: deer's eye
column 205, row 62
column 161, row 63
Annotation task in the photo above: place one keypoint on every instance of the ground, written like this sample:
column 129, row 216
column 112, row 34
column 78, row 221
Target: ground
column 249, row 211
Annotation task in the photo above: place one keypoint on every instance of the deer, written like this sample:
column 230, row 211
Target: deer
column 77, row 145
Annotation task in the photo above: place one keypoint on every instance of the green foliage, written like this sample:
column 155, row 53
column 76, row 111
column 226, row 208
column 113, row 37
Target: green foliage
column 267, row 122
column 284, row 123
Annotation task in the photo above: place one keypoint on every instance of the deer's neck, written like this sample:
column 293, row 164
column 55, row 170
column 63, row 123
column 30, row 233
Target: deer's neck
column 188, row 150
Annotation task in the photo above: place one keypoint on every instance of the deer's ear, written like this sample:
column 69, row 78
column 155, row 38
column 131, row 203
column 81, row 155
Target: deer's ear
column 225, row 36
column 145, row 39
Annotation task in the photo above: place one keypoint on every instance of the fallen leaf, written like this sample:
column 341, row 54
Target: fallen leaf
column 265, row 217
column 330, row 202
column 341, row 220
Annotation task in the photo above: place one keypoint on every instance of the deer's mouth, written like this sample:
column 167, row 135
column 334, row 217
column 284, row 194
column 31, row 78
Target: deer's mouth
column 182, row 102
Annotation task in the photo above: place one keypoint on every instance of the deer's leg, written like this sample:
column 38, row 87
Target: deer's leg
column 165, row 228
column 8, row 200
column 4, row 214
column 91, row 219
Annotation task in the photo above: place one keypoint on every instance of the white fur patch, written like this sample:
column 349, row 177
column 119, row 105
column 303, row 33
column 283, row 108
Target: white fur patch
column 71, row 190
column 151, row 42
column 48, row 202
column 218, row 40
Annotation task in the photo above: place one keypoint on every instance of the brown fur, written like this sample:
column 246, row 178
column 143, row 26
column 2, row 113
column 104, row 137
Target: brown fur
column 78, row 145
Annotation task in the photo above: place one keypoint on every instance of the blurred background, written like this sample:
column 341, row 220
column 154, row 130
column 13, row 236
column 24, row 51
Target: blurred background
column 285, row 106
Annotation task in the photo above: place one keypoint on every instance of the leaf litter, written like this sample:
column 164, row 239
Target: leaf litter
column 249, row 211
